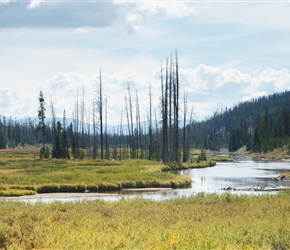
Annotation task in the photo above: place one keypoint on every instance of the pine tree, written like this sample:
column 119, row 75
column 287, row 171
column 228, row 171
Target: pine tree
column 41, row 125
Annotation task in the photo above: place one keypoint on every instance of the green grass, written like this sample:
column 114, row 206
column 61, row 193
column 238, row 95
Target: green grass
column 204, row 221
column 52, row 175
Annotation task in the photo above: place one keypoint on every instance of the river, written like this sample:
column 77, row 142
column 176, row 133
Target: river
column 241, row 174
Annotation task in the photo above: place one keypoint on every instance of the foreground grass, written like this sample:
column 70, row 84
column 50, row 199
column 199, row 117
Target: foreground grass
column 20, row 171
column 201, row 222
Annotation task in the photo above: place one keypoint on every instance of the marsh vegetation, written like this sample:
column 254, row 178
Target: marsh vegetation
column 203, row 221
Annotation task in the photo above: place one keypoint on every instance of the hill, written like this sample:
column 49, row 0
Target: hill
column 241, row 121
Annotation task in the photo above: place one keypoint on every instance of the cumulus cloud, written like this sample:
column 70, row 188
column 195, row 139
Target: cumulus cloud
column 13, row 103
column 8, row 98
column 138, row 12
column 63, row 89
column 208, row 88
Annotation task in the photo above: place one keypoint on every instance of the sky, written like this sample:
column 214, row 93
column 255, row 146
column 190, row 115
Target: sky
column 229, row 52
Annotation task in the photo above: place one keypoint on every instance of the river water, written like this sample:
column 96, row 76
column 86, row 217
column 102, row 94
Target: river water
column 240, row 174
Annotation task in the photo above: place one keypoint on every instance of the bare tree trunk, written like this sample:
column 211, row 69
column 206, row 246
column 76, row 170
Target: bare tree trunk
column 106, row 133
column 137, row 125
column 75, row 146
column 184, row 151
column 176, row 109
column 94, row 132
column 164, row 107
column 170, row 89
column 82, row 120
column 128, row 122
column 88, row 119
column 140, row 134
column 150, row 125
column 121, row 135
column 133, row 156
column 100, row 107
column 189, row 133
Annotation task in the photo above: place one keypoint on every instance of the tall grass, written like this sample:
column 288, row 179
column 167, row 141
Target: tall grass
column 47, row 176
column 204, row 221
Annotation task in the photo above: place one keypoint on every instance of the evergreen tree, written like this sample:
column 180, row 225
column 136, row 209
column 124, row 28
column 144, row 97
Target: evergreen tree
column 57, row 150
column 41, row 125
column 3, row 136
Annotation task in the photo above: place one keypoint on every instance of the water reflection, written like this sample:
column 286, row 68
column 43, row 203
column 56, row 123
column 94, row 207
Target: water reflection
column 240, row 174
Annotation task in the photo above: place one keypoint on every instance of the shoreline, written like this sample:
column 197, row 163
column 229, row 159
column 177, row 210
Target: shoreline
column 78, row 195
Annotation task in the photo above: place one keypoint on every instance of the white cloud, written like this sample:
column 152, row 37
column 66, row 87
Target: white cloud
column 8, row 98
column 208, row 89
column 166, row 9
column 78, row 31
column 13, row 103
column 141, row 12
column 271, row 15
column 34, row 4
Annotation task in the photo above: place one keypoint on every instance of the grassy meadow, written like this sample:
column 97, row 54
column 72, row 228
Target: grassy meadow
column 22, row 172
column 203, row 221
column 211, row 221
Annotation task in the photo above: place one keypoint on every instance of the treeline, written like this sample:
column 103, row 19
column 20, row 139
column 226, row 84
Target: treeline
column 272, row 132
column 167, row 134
column 165, row 139
column 235, row 127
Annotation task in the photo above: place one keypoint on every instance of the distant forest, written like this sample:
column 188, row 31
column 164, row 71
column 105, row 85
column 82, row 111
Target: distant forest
column 261, row 124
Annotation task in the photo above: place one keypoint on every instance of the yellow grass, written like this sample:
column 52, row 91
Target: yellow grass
column 200, row 222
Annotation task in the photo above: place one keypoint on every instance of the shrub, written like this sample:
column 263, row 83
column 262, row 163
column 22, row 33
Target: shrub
column 92, row 188
column 67, row 189
column 128, row 184
column 141, row 184
column 53, row 188
column 24, row 188
column 81, row 188
column 16, row 192
column 113, row 187
column 103, row 187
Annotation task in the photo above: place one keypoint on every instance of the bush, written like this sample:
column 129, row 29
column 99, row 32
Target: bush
column 16, row 192
column 128, row 184
column 109, row 187
column 141, row 184
column 67, row 189
column 92, row 188
column 81, row 188
column 48, row 189
column 24, row 188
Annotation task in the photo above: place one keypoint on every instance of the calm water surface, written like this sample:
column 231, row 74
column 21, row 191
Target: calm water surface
column 240, row 174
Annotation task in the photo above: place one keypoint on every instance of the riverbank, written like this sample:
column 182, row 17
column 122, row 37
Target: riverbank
column 22, row 173
column 76, row 196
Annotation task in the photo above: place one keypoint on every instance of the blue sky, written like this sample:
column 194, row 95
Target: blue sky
column 229, row 51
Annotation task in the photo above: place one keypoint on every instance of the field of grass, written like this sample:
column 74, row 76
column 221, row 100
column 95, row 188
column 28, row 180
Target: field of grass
column 23, row 170
column 203, row 221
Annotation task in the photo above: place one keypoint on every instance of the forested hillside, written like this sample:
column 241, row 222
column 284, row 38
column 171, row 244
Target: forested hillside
column 239, row 125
